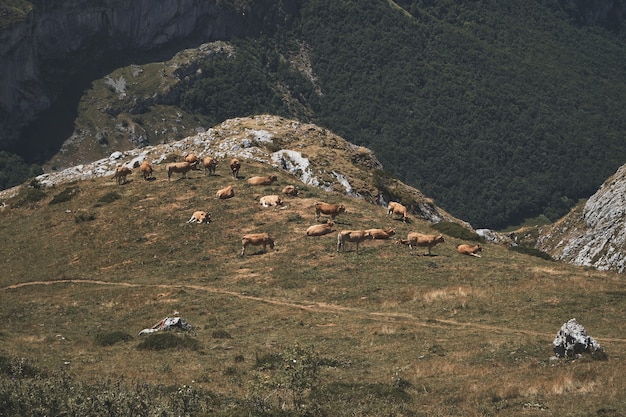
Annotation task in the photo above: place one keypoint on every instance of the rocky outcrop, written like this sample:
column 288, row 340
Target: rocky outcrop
column 40, row 53
column 594, row 234
column 312, row 155
column 572, row 340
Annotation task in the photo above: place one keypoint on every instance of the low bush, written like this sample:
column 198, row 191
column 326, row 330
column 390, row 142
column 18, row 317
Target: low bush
column 456, row 230
column 65, row 195
column 168, row 340
column 526, row 250
column 109, row 339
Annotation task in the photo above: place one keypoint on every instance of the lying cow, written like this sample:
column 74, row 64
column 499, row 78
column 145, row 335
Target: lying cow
column 291, row 190
column 418, row 239
column 355, row 236
column 226, row 192
column 271, row 200
column 121, row 173
column 146, row 170
column 200, row 217
column 235, row 165
column 179, row 167
column 256, row 239
column 381, row 233
column 210, row 165
column 262, row 180
column 332, row 210
column 320, row 229
column 193, row 160
column 469, row 250
column 397, row 208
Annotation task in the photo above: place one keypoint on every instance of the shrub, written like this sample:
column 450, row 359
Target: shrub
column 168, row 340
column 456, row 230
column 108, row 198
column 109, row 339
column 527, row 250
column 29, row 196
column 65, row 195
column 84, row 217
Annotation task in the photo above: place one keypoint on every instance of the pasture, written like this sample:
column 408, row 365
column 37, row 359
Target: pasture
column 298, row 330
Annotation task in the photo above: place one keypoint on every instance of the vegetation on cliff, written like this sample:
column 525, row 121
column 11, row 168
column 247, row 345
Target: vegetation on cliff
column 500, row 110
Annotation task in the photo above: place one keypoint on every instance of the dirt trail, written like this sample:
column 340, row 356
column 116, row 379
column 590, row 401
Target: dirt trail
column 313, row 306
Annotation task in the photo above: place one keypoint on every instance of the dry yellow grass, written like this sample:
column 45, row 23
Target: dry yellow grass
column 461, row 336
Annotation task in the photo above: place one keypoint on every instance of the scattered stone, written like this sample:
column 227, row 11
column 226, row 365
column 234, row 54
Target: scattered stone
column 572, row 341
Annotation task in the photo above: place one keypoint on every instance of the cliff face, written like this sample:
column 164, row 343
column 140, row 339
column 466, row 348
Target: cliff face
column 40, row 53
column 594, row 234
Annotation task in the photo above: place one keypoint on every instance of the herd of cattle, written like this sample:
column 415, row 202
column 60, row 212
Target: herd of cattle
column 192, row 162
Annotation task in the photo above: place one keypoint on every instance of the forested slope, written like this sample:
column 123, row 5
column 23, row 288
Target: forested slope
column 499, row 110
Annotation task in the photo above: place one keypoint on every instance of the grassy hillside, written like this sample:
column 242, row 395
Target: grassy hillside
column 300, row 330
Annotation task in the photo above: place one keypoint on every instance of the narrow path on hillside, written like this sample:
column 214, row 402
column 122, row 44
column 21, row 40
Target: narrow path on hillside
column 312, row 306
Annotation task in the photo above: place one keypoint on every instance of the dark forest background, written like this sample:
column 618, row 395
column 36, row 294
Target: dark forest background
column 500, row 110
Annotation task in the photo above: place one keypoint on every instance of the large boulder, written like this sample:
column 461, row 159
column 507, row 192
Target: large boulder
column 572, row 340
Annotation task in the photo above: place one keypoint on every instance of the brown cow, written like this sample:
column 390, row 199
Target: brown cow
column 320, row 229
column 356, row 236
column 291, row 190
column 121, row 173
column 226, row 192
column 381, row 233
column 397, row 208
column 418, row 239
column 180, row 167
column 332, row 210
column 256, row 239
column 146, row 170
column 469, row 250
column 262, row 180
column 271, row 200
column 193, row 160
column 200, row 217
column 210, row 164
column 235, row 165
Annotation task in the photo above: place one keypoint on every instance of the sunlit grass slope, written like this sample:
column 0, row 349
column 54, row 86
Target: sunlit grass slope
column 393, row 334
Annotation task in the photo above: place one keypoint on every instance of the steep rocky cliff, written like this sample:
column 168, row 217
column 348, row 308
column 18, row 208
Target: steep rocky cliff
column 41, row 52
column 593, row 234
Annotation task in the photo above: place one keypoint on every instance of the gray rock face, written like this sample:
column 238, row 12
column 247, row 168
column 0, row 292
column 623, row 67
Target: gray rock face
column 596, row 235
column 40, row 53
column 572, row 340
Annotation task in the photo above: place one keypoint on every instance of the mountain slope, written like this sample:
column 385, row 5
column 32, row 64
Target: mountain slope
column 298, row 330
column 311, row 155
column 593, row 234
column 509, row 95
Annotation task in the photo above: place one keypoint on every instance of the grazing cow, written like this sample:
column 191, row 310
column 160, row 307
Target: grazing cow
column 200, row 217
column 320, row 229
column 356, row 236
column 291, row 190
column 397, row 208
column 193, row 160
column 180, row 167
column 235, row 165
column 226, row 192
column 469, row 250
column 382, row 233
column 146, row 170
column 262, row 180
column 256, row 239
column 418, row 239
column 271, row 200
column 332, row 210
column 210, row 164
column 121, row 173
